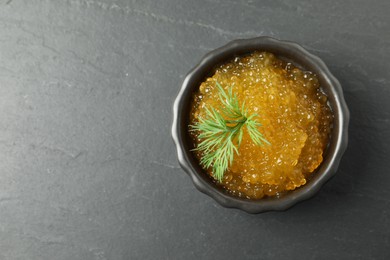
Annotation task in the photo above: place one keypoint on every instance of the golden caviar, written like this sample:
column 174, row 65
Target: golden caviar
column 295, row 118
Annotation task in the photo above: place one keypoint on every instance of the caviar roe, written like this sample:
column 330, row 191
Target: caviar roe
column 295, row 118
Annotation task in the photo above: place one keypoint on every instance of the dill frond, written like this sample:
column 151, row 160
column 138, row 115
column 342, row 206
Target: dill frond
column 221, row 132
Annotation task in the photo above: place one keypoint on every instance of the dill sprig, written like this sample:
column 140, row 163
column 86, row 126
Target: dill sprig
column 221, row 132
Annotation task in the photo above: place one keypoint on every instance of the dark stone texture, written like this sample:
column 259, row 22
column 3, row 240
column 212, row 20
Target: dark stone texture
column 88, row 167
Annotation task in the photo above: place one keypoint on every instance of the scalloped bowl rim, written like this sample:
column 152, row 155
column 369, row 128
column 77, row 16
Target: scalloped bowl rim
column 303, row 193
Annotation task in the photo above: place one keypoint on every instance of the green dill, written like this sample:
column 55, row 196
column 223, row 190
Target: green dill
column 221, row 132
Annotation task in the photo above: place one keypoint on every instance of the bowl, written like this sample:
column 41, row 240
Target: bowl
column 288, row 51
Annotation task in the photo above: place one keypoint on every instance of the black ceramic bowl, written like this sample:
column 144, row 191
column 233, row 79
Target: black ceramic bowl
column 285, row 50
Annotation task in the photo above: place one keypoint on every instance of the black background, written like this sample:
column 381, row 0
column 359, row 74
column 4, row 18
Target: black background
column 88, row 169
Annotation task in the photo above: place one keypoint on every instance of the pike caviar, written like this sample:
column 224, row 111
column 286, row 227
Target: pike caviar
column 295, row 119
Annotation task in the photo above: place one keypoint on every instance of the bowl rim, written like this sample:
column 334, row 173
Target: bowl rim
column 266, row 204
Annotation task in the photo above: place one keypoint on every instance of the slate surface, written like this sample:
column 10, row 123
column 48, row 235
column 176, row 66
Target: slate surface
column 88, row 169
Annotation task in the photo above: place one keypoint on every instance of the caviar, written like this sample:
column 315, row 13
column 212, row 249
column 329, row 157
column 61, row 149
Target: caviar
column 295, row 119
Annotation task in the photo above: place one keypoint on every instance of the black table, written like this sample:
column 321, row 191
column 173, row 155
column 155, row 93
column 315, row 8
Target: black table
column 88, row 167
